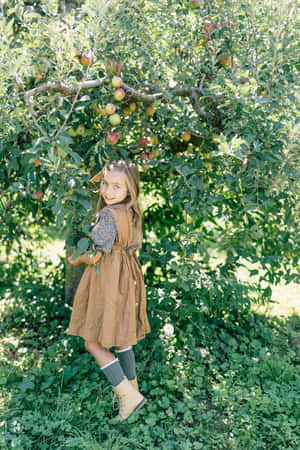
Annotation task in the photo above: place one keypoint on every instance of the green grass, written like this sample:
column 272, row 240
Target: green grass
column 226, row 385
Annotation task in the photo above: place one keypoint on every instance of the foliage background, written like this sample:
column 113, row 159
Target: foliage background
column 227, row 73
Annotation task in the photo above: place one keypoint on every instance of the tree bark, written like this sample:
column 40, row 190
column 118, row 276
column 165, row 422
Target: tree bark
column 73, row 277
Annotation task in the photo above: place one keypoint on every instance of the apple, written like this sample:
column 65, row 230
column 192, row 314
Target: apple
column 146, row 166
column 102, row 112
column 186, row 136
column 132, row 106
column 110, row 108
column 115, row 67
column 153, row 140
column 144, row 141
column 86, row 59
column 150, row 110
column 225, row 61
column 39, row 77
column 38, row 194
column 117, row 82
column 119, row 94
column 150, row 155
column 144, row 155
column 195, row 3
column 37, row 162
column 209, row 28
column 80, row 130
column 72, row 132
column 115, row 119
column 126, row 112
column 112, row 138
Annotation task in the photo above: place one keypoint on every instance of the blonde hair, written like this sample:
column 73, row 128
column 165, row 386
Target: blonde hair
column 132, row 178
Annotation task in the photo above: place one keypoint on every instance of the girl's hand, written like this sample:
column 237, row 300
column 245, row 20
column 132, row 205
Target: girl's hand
column 75, row 262
column 85, row 259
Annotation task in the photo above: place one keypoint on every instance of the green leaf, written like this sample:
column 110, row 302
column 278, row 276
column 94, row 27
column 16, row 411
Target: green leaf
column 83, row 244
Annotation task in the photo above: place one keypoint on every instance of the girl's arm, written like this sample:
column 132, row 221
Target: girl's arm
column 85, row 259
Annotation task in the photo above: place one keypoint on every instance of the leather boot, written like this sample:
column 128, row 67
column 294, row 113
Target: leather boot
column 130, row 400
column 134, row 383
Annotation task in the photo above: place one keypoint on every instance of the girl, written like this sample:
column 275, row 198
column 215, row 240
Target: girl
column 109, row 309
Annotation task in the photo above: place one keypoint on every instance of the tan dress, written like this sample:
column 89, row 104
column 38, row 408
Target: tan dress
column 111, row 308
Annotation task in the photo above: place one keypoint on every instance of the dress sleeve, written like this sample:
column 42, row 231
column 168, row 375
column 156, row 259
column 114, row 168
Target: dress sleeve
column 105, row 231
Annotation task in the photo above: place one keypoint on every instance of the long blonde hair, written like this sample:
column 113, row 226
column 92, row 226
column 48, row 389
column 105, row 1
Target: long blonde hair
column 132, row 178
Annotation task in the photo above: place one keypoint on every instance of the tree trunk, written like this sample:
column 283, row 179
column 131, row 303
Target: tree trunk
column 73, row 276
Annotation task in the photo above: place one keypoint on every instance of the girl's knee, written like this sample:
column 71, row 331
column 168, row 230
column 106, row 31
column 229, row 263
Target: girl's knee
column 89, row 345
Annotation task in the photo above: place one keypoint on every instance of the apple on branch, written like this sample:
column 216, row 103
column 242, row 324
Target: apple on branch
column 86, row 59
column 132, row 106
column 38, row 195
column 119, row 94
column 110, row 108
column 115, row 119
column 144, row 141
column 150, row 110
column 112, row 138
column 116, row 82
column 37, row 161
column 186, row 136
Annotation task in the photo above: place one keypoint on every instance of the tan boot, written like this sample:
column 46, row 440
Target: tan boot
column 134, row 383
column 130, row 400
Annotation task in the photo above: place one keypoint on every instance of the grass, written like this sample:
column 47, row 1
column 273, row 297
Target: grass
column 226, row 385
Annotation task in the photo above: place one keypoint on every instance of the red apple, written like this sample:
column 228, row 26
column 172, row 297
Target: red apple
column 132, row 106
column 146, row 166
column 115, row 67
column 86, row 59
column 110, row 108
column 195, row 3
column 102, row 112
column 40, row 77
column 112, row 138
column 37, row 162
column 186, row 136
column 115, row 119
column 150, row 155
column 38, row 194
column 119, row 94
column 150, row 110
column 144, row 141
column 144, row 155
column 225, row 61
column 209, row 28
column 117, row 82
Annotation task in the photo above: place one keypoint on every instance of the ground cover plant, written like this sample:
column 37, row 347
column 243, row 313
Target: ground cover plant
column 203, row 96
column 210, row 382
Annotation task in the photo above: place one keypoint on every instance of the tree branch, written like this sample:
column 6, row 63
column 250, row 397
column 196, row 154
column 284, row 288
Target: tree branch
column 159, row 94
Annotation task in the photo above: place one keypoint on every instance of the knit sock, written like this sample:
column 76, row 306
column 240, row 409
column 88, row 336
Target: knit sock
column 127, row 361
column 114, row 372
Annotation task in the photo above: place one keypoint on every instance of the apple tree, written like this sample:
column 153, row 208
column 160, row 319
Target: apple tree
column 201, row 95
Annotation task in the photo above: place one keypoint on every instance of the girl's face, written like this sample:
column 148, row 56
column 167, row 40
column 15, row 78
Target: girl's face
column 113, row 187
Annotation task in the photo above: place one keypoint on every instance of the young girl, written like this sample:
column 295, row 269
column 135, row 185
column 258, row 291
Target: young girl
column 109, row 310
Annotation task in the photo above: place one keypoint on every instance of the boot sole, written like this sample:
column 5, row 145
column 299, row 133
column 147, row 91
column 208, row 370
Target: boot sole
column 140, row 405
column 137, row 408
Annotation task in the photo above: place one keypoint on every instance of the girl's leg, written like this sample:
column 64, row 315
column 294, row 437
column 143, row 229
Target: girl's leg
column 108, row 363
column 127, row 361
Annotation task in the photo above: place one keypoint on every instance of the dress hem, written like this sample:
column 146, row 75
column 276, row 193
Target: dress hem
column 116, row 344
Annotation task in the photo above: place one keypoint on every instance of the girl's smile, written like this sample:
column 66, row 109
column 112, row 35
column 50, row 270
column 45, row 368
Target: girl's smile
column 113, row 187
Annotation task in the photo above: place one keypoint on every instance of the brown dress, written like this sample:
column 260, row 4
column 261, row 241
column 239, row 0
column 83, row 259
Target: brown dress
column 111, row 308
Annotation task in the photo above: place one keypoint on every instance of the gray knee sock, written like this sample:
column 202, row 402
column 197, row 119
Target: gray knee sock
column 114, row 372
column 127, row 361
